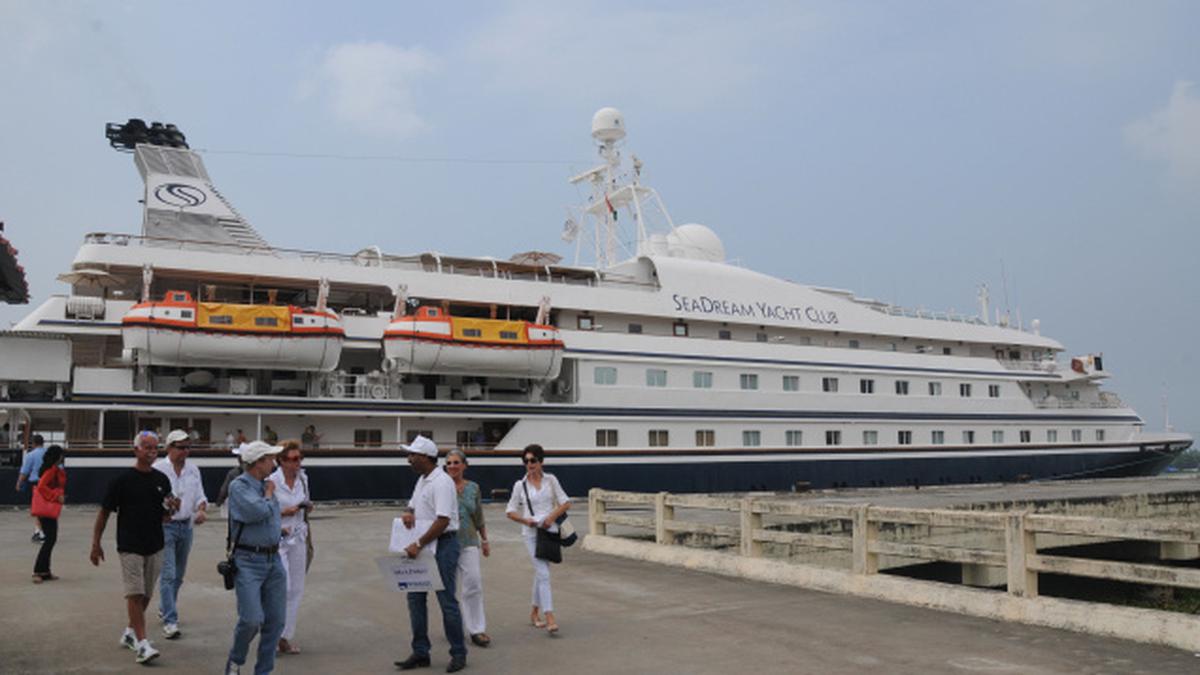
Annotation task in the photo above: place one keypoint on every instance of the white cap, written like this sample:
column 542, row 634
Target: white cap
column 256, row 450
column 176, row 436
column 421, row 446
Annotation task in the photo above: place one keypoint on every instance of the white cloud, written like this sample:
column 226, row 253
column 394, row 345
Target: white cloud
column 582, row 51
column 370, row 85
column 1172, row 134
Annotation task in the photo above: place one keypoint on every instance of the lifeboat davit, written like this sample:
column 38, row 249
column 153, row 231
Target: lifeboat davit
column 179, row 331
column 432, row 341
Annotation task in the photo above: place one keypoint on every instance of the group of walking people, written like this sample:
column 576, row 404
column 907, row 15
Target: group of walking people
column 159, row 500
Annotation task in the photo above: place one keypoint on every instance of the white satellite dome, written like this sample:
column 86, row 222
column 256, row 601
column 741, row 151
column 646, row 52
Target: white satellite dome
column 608, row 124
column 696, row 242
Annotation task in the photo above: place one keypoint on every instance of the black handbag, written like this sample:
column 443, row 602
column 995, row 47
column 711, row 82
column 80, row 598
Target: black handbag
column 227, row 568
column 549, row 544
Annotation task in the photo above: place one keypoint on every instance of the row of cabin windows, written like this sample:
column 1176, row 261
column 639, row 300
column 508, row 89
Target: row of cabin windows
column 680, row 329
column 660, row 438
column 703, row 379
column 476, row 332
column 227, row 320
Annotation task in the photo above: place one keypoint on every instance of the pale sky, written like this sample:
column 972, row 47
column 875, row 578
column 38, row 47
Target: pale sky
column 907, row 151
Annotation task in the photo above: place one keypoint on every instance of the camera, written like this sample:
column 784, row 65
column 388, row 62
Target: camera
column 228, row 571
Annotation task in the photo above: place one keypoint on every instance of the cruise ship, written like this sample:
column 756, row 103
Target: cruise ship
column 657, row 366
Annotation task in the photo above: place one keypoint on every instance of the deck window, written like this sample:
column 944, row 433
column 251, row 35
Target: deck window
column 724, row 335
column 854, row 344
column 368, row 438
column 751, row 438
column 702, row 379
column 659, row 438
column 935, row 388
column 994, row 391
column 794, row 437
column 829, row 384
column 791, row 383
column 748, row 380
column 705, row 438
column 585, row 322
column 937, row 437
column 606, row 438
column 1099, row 434
column 656, row 377
column 866, row 386
column 265, row 321
column 1026, row 436
column 904, row 437
column 760, row 337
column 635, row 328
column 1077, row 435
column 870, row 437
column 1052, row 435
column 680, row 329
column 902, row 387
column 997, row 436
column 964, row 390
column 833, row 438
column 605, row 375
column 968, row 437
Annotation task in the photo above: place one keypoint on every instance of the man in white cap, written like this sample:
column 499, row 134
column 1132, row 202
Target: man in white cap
column 261, row 582
column 187, row 486
column 434, row 500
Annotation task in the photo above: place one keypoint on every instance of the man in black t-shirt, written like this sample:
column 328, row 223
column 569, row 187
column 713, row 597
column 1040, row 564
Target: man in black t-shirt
column 142, row 499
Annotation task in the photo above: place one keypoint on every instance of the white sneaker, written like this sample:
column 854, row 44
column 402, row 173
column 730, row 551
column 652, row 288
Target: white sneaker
column 128, row 639
column 232, row 668
column 171, row 631
column 146, row 652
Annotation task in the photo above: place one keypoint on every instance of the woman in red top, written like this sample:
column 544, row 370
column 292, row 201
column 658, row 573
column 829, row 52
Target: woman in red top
column 51, row 488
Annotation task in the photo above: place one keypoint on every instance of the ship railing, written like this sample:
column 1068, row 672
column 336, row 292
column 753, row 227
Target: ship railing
column 919, row 313
column 1105, row 403
column 1045, row 365
column 372, row 258
column 326, row 447
column 1011, row 548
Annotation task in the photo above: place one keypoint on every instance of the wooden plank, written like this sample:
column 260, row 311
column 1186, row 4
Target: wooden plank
column 678, row 526
column 1116, row 528
column 612, row 497
column 975, row 520
column 1118, row 571
column 944, row 553
column 804, row 539
column 611, row 518
column 693, row 501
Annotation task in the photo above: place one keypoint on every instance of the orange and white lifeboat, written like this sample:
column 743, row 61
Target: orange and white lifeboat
column 432, row 341
column 179, row 331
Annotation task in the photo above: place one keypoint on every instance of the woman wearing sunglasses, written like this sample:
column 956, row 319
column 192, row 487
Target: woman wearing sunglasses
column 537, row 501
column 295, row 502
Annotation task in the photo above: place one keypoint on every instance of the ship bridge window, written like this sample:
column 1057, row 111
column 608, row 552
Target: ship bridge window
column 656, row 377
column 706, row 438
column 902, row 387
column 265, row 321
column 606, row 438
column 220, row 319
column 585, row 322
column 702, row 379
column 605, row 375
column 680, row 329
column 659, row 438
column 508, row 335
column 472, row 332
column 791, row 383
column 866, row 386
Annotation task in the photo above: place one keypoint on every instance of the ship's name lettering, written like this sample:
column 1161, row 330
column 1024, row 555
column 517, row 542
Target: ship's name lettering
column 753, row 310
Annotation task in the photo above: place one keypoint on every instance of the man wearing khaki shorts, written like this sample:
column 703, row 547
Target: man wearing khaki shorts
column 142, row 499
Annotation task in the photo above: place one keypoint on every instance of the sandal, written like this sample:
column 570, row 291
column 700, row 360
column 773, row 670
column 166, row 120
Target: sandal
column 37, row 579
column 537, row 622
column 286, row 647
column 481, row 639
column 552, row 629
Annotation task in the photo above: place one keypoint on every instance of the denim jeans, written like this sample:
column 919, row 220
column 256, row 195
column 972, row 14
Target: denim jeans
column 177, row 543
column 261, row 589
column 447, row 562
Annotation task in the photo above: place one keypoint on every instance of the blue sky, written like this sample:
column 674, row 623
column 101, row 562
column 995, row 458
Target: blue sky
column 906, row 151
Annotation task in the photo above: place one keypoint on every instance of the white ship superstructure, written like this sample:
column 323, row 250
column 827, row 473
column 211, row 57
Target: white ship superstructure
column 661, row 368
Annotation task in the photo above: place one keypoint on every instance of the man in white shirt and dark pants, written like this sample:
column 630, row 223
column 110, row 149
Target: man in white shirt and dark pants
column 177, row 532
column 434, row 500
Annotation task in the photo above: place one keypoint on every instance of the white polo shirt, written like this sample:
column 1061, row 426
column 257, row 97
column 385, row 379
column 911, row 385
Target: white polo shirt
column 186, row 485
column 434, row 496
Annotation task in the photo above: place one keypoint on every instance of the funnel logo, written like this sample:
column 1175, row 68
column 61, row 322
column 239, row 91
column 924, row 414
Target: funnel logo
column 178, row 194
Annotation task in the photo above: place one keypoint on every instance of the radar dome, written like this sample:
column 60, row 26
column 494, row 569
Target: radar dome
column 696, row 242
column 608, row 125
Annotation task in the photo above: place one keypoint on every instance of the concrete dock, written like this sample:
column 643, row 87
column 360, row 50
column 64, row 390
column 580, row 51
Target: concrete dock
column 617, row 616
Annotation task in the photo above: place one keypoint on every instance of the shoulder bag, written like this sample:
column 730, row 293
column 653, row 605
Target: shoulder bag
column 227, row 568
column 309, row 551
column 44, row 508
column 549, row 544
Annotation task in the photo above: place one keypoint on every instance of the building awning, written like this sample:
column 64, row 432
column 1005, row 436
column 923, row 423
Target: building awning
column 14, row 289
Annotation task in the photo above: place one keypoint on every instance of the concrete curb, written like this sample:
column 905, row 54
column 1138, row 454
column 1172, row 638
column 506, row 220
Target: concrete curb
column 1171, row 629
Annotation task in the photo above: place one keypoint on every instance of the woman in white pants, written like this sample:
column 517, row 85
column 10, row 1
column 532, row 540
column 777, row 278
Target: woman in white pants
column 291, row 489
column 546, row 501
column 472, row 540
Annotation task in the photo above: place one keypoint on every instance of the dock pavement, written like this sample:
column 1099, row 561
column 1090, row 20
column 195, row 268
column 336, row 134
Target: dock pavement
column 617, row 616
